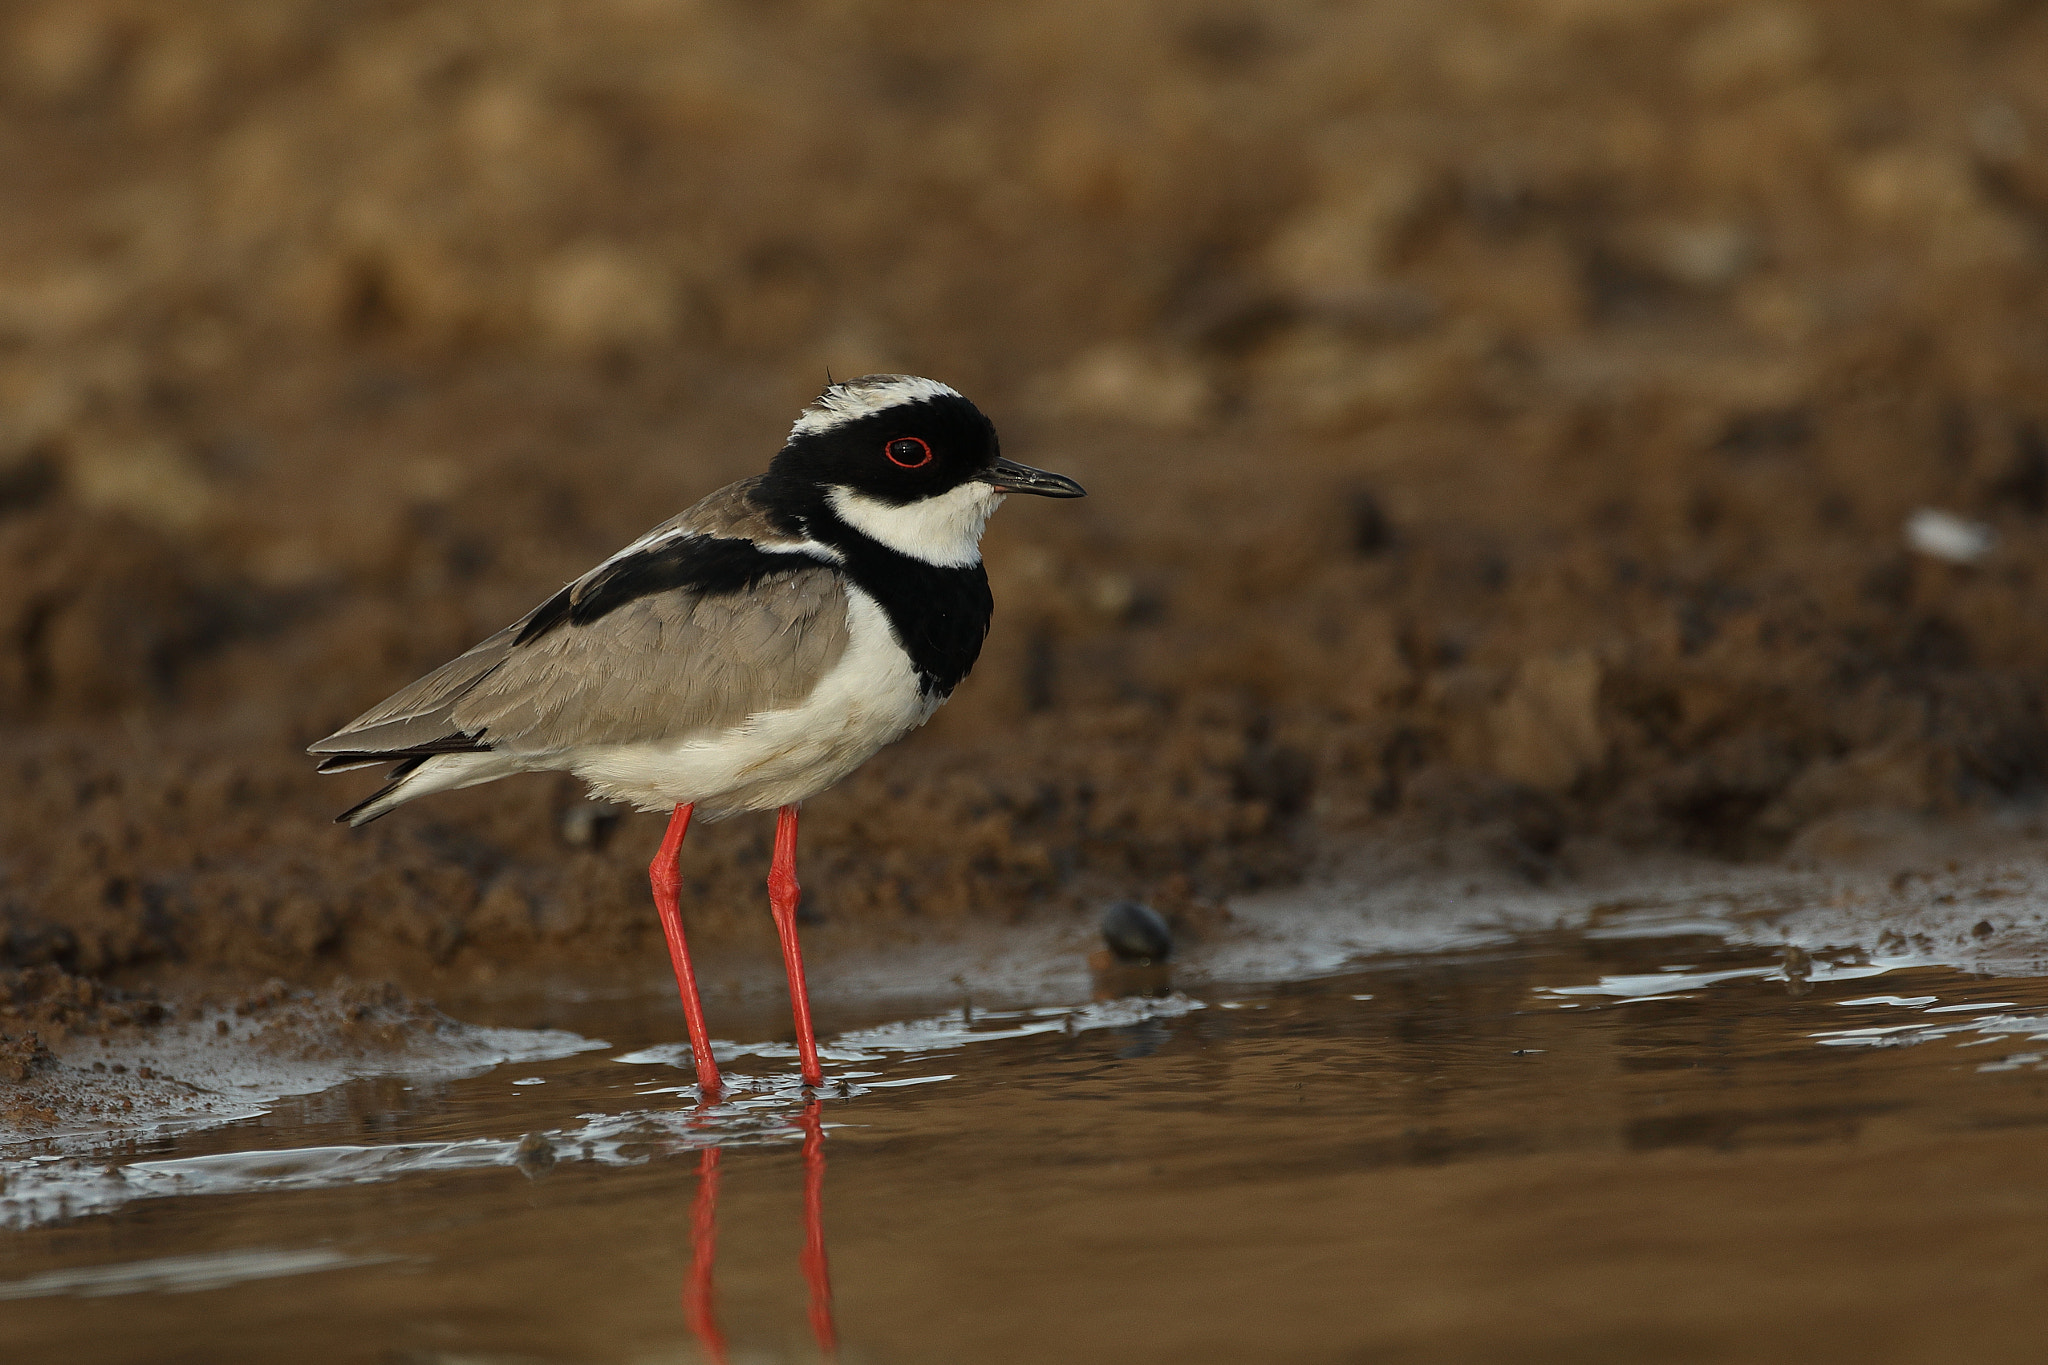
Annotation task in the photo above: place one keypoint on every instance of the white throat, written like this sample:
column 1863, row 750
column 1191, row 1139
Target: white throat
column 945, row 530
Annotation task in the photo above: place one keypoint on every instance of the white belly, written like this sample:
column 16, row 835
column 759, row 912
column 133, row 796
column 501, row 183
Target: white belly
column 869, row 699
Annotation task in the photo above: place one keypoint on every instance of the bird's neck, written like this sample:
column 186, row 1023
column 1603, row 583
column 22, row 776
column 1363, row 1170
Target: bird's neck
column 921, row 563
column 944, row 532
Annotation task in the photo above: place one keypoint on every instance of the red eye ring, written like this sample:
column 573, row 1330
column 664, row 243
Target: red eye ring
column 904, row 458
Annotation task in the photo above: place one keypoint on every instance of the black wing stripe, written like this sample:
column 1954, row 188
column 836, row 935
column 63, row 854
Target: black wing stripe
column 711, row 566
column 414, row 753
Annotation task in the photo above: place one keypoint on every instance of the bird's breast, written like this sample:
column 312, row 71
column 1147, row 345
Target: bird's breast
column 939, row 615
column 871, row 697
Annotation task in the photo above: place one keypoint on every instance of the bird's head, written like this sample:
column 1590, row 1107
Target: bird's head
column 907, row 462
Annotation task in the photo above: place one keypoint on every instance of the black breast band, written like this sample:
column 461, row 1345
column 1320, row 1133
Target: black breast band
column 940, row 615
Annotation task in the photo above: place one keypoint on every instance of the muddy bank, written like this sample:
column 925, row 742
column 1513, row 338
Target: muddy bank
column 84, row 1063
column 1502, row 425
column 81, row 1064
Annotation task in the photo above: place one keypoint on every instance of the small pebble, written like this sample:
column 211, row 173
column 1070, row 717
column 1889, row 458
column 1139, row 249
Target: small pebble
column 1136, row 933
column 1944, row 535
column 535, row 1156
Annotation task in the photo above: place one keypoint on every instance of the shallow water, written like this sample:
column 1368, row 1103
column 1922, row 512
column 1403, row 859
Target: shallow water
column 1573, row 1147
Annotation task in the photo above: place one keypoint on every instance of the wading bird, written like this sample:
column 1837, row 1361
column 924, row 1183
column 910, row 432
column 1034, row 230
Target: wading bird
column 741, row 656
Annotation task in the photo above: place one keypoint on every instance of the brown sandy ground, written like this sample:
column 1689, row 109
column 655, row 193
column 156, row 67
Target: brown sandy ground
column 1500, row 419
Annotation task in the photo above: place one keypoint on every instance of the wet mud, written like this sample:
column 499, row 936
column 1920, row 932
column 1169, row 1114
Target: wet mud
column 82, row 1062
column 1517, row 425
column 84, row 1058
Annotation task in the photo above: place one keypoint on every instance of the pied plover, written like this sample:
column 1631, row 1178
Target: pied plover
column 741, row 656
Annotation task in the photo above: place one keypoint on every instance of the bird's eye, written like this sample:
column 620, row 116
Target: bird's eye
column 909, row 452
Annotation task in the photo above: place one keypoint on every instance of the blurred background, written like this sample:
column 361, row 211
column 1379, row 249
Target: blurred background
column 1540, row 424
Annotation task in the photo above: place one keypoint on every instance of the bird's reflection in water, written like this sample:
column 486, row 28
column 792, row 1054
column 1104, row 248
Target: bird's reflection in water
column 817, row 1272
column 699, row 1306
column 699, row 1295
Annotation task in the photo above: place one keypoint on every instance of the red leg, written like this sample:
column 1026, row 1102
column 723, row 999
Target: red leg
column 666, row 875
column 699, row 1304
column 783, row 895
column 817, row 1273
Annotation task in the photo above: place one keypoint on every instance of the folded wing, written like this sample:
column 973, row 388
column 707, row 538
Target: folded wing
column 684, row 633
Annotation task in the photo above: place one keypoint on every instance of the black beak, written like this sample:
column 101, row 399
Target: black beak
column 1007, row 476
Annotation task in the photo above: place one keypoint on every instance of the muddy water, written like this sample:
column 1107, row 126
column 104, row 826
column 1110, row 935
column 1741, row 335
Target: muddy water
column 1571, row 1148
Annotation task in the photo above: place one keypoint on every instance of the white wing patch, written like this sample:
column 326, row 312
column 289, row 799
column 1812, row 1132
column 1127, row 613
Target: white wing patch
column 815, row 549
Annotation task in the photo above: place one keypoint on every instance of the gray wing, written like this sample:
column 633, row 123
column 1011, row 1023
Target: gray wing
column 663, row 667
column 418, row 719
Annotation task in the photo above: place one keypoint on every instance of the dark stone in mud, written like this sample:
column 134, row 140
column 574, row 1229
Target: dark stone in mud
column 26, row 483
column 1136, row 933
column 1372, row 533
column 1278, row 775
column 535, row 1156
column 2024, row 485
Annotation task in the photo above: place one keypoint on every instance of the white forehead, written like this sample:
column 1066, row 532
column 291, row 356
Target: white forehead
column 863, row 397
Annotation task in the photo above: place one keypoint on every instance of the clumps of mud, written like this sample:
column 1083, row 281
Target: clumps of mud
column 350, row 1020
column 23, row 1056
column 42, row 1008
column 60, row 1005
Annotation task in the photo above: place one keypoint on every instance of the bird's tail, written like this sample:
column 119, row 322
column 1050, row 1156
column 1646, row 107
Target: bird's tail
column 417, row 776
